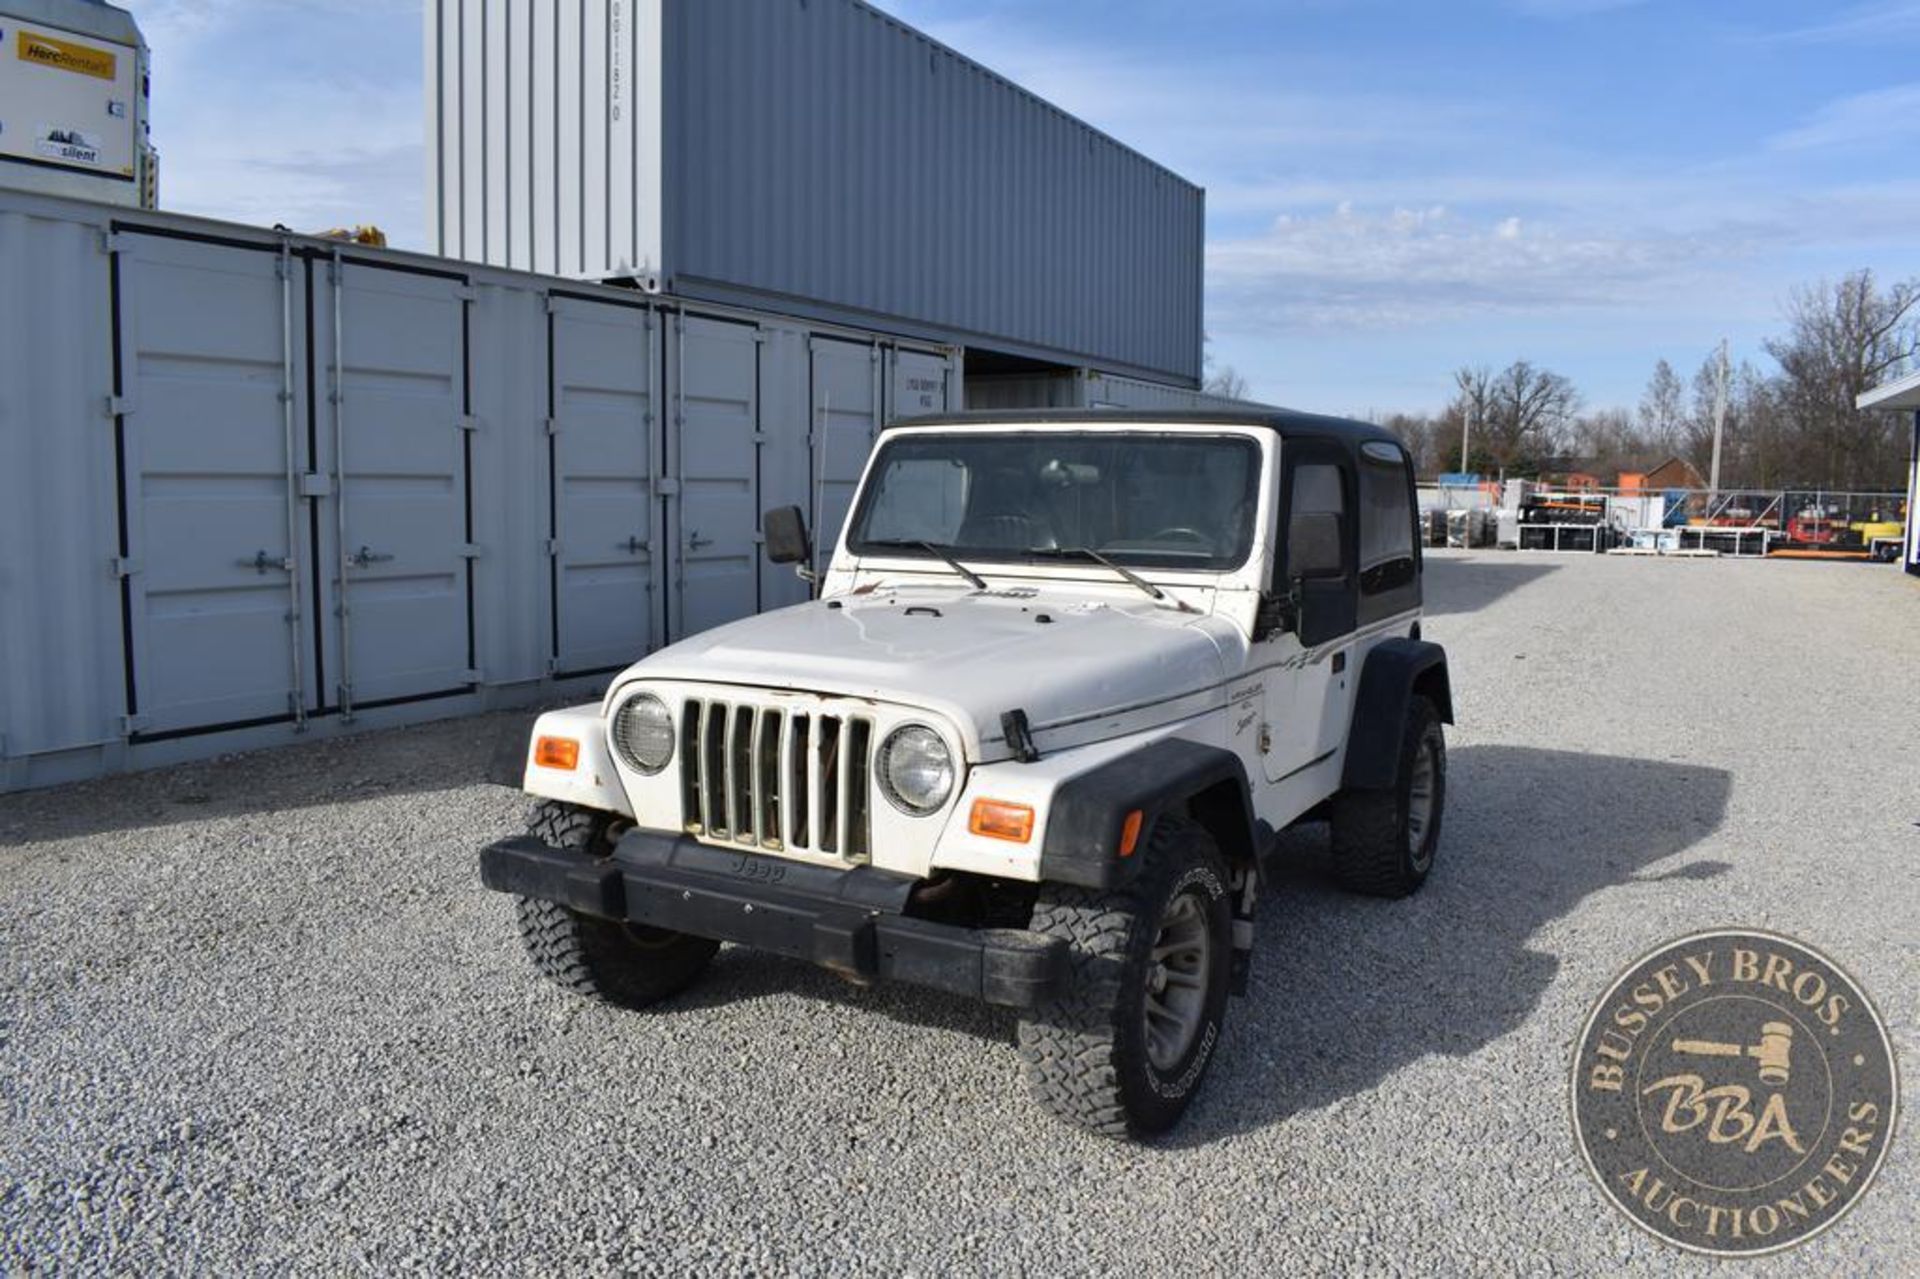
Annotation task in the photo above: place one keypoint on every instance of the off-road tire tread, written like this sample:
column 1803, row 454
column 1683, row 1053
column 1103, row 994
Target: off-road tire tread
column 598, row 958
column 1069, row 1050
column 1368, row 842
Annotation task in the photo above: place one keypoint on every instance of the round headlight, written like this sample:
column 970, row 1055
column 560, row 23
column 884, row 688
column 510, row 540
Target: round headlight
column 915, row 770
column 642, row 733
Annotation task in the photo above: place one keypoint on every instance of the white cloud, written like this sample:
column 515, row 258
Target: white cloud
column 1869, row 22
column 1572, row 8
column 270, row 111
column 1359, row 269
column 1873, row 118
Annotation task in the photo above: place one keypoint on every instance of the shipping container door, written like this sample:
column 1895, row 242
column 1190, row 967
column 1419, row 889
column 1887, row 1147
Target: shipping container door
column 395, row 529
column 219, row 555
column 846, row 417
column 916, row 384
column 714, row 522
column 604, row 466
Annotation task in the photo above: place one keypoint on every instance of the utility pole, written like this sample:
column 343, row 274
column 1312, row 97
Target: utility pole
column 1466, row 432
column 1719, row 425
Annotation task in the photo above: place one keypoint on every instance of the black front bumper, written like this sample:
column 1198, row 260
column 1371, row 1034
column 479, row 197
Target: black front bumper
column 851, row 921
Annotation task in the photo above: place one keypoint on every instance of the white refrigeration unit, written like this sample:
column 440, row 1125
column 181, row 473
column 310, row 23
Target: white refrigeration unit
column 73, row 102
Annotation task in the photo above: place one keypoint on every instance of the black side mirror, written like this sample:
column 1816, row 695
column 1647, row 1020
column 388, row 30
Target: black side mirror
column 786, row 531
column 1316, row 546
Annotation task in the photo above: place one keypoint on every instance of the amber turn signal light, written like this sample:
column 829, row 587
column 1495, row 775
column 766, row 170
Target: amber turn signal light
column 1130, row 833
column 562, row 753
column 997, row 819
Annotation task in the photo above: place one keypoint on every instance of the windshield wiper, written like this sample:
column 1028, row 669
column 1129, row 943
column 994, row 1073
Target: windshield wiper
column 934, row 549
column 1088, row 553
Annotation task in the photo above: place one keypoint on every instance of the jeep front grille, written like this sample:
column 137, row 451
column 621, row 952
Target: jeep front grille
column 765, row 777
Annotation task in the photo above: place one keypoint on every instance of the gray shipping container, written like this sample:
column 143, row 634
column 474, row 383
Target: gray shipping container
column 254, row 485
column 810, row 157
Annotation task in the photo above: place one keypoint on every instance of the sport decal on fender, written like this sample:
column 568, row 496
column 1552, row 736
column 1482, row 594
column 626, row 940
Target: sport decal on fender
column 1734, row 1093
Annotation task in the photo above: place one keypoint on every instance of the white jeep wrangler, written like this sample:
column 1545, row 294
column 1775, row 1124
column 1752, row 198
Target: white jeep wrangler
column 1066, row 677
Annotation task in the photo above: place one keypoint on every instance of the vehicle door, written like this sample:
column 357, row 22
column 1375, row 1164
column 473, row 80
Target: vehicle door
column 1307, row 661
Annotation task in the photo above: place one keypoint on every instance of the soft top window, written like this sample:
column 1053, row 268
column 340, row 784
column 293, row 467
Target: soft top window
column 1386, row 505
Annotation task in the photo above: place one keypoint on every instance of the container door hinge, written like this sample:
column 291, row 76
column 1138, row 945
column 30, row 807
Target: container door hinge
column 131, row 724
column 316, row 484
column 552, row 304
column 469, row 551
column 666, row 486
column 467, row 422
column 761, row 437
column 465, row 293
column 553, row 546
column 124, row 565
column 551, row 425
column 760, row 337
column 116, row 242
column 119, row 405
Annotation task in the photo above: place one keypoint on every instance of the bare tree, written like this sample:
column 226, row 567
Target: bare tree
column 1426, row 440
column 1225, row 380
column 1519, row 414
column 1843, row 339
column 1610, row 441
column 1216, row 378
column 1663, row 410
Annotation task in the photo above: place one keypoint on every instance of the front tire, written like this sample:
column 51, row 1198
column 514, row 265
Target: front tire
column 610, row 960
column 1384, row 841
column 1126, row 1042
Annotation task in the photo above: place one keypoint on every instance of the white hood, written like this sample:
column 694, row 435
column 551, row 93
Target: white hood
column 971, row 657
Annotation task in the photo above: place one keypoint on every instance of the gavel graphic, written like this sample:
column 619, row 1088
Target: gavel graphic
column 1772, row 1052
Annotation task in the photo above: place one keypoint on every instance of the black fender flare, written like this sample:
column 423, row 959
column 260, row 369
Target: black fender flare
column 1088, row 813
column 1394, row 672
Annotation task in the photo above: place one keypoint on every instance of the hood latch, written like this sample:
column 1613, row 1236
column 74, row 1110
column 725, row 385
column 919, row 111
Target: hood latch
column 1019, row 735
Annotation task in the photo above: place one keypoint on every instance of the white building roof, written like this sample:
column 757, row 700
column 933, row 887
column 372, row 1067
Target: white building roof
column 1901, row 393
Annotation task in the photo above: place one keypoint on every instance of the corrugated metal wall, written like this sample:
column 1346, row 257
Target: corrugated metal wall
column 818, row 159
column 254, row 485
column 1087, row 389
column 543, row 134
column 826, row 152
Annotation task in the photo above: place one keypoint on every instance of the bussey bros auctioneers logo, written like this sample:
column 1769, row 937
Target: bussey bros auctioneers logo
column 1734, row 1092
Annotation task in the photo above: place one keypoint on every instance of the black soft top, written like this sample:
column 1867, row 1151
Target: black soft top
column 1284, row 422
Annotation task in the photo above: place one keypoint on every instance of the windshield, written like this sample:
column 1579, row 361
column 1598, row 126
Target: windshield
column 1176, row 501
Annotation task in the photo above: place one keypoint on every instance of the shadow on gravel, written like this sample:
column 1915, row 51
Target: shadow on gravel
column 418, row 759
column 1347, row 990
column 1466, row 586
column 739, row 974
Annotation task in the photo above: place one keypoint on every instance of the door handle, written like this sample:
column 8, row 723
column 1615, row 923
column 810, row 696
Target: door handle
column 695, row 541
column 364, row 556
column 633, row 546
column 262, row 561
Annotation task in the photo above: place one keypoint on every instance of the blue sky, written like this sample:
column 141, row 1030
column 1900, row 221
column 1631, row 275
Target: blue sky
column 1394, row 188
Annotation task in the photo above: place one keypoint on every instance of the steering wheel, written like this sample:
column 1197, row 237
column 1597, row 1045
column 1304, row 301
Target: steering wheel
column 1182, row 532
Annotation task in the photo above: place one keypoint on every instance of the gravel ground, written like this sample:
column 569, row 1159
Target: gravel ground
column 258, row 1014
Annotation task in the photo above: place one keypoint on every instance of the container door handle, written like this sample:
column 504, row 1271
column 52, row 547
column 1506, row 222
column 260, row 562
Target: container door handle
column 633, row 546
column 364, row 556
column 262, row 561
column 695, row 541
